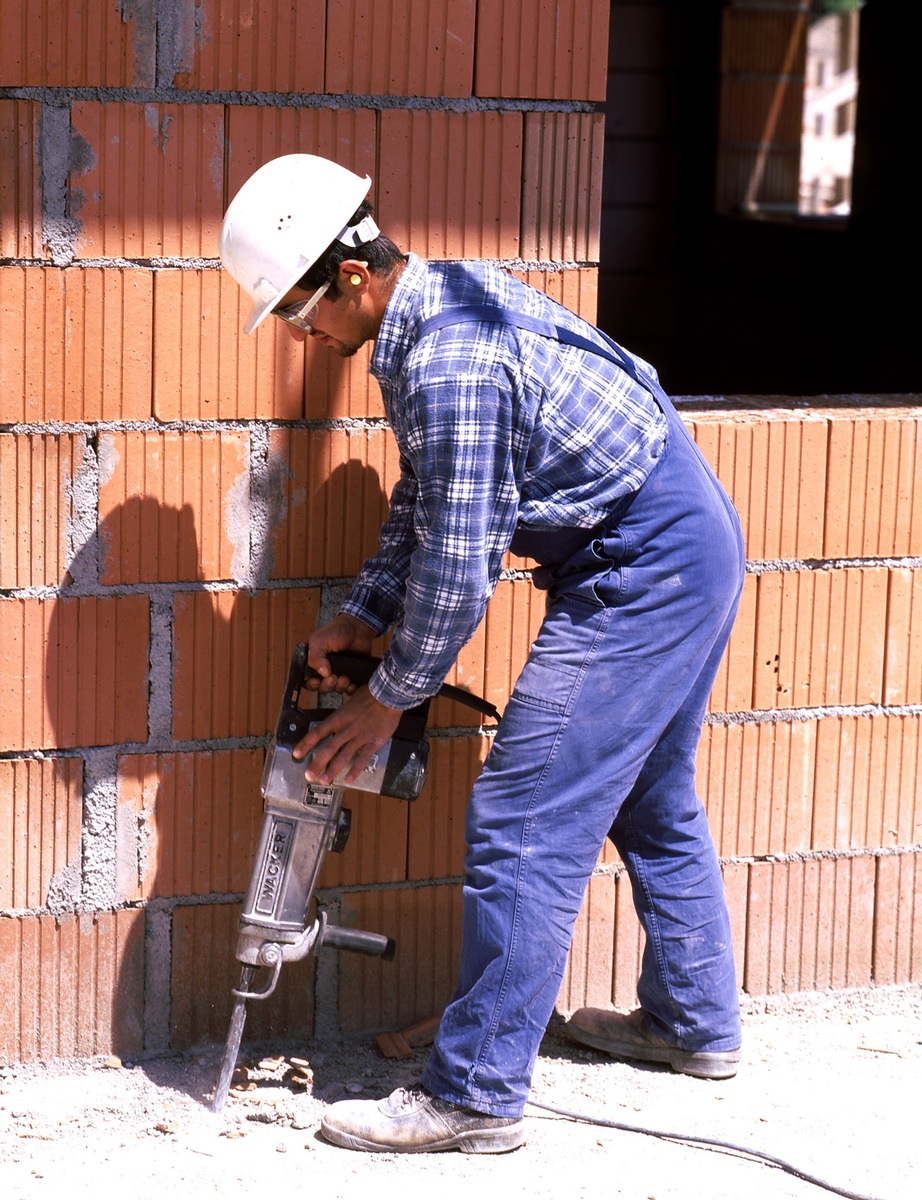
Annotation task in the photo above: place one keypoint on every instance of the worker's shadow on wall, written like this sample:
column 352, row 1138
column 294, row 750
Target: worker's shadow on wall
column 109, row 624
column 110, row 657
column 110, row 654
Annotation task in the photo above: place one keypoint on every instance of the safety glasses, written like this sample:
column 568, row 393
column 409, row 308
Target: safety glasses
column 303, row 314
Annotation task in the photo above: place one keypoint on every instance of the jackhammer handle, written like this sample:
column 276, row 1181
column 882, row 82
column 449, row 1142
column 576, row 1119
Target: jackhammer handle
column 360, row 941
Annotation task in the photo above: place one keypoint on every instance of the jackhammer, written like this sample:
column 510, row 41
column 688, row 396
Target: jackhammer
column 302, row 823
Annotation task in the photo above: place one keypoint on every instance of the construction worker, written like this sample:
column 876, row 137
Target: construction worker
column 521, row 427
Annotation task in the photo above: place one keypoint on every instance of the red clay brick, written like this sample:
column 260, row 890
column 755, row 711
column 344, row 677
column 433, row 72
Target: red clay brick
column 820, row 637
column 810, row 925
column 868, row 790
column 736, row 884
column 449, row 184
column 340, row 388
column 803, row 926
column 76, row 43
column 376, row 851
column 213, row 371
column 269, row 46
column 562, row 194
column 901, row 528
column 797, row 466
column 853, row 959
column 60, row 653
column 36, row 506
column 554, row 52
column 256, row 134
column 231, row 659
column 381, row 47
column 76, row 344
column 756, row 781
column 774, row 470
column 188, row 823
column 173, row 506
column 874, row 499
column 206, row 368
column 846, row 445
column 20, row 177
column 780, row 659
column 155, row 184
column 795, row 925
column 76, row 986
column 754, row 976
column 41, row 808
column 335, row 486
column 861, row 638
column 426, row 925
column 203, row 971
column 777, row 932
column 897, row 919
column 903, row 664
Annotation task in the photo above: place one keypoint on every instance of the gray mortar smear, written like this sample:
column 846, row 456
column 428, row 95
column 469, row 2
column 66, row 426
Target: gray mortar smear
column 160, row 673
column 158, row 930
column 160, row 123
column 143, row 841
column 236, row 516
column 64, row 887
column 332, row 598
column 100, row 807
column 62, row 153
column 177, row 27
column 253, row 508
column 81, row 534
column 142, row 16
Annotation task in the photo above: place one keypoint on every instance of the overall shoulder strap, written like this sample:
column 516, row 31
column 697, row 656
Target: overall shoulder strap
column 507, row 316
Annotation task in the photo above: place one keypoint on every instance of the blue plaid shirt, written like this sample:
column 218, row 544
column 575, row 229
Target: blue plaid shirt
column 497, row 428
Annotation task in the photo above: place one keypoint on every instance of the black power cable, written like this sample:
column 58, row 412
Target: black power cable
column 687, row 1137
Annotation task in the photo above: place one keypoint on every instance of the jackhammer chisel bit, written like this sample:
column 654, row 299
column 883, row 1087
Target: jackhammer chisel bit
column 302, row 823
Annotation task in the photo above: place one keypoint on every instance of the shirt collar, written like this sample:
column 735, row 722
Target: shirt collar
column 393, row 340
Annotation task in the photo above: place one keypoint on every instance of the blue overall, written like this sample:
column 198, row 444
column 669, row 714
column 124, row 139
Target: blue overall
column 599, row 740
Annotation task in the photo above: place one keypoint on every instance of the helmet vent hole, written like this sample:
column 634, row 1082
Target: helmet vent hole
column 284, row 222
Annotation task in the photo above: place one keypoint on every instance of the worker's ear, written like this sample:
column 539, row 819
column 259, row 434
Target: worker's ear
column 354, row 277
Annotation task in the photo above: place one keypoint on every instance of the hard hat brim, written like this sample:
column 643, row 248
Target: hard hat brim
column 266, row 245
column 262, row 309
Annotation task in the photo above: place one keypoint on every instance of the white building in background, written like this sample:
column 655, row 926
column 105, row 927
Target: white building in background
column 830, row 95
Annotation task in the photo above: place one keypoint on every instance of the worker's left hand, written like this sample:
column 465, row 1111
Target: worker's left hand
column 347, row 739
column 344, row 632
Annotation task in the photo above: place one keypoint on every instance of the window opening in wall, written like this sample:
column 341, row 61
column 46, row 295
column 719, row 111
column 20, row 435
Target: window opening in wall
column 788, row 98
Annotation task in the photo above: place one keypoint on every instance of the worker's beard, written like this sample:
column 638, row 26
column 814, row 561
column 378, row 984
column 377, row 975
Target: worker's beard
column 340, row 348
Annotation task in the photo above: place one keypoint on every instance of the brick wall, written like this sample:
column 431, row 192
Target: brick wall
column 180, row 504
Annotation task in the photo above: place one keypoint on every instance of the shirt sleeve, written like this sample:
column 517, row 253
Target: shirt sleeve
column 456, row 433
column 377, row 596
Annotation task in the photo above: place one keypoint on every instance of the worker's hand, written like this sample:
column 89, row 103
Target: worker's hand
column 344, row 632
column 347, row 739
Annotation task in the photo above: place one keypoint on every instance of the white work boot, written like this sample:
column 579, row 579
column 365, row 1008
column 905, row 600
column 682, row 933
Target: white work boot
column 414, row 1121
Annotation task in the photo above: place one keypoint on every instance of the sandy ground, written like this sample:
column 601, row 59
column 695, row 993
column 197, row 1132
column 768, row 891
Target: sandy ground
column 831, row 1085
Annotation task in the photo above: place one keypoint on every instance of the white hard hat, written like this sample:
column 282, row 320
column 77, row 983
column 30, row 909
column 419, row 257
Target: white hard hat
column 281, row 221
